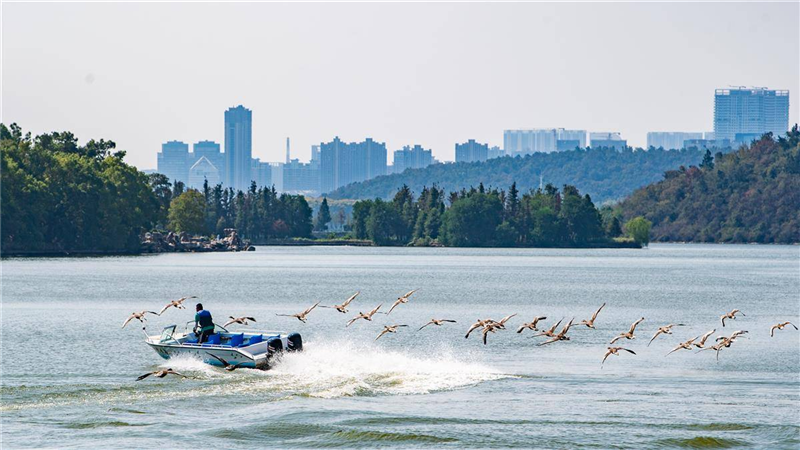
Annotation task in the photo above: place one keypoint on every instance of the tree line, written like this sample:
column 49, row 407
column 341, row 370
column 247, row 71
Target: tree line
column 481, row 217
column 258, row 214
column 750, row 195
column 60, row 196
column 607, row 174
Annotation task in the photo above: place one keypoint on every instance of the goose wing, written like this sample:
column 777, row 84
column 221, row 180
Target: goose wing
column 408, row 294
column 633, row 326
column 350, row 299
column 506, row 318
column 376, row 310
column 394, row 305
column 224, row 363
column 142, row 377
column 594, row 316
column 310, row 309
column 131, row 318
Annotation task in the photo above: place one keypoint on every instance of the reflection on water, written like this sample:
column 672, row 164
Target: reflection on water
column 68, row 369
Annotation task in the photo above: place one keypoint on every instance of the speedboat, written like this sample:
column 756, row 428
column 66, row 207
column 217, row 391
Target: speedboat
column 253, row 349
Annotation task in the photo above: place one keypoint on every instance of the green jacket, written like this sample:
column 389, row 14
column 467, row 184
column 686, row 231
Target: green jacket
column 204, row 321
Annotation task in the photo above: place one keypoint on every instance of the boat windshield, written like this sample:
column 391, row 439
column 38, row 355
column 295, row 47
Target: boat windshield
column 166, row 334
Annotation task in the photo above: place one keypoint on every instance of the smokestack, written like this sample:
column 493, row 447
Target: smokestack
column 288, row 153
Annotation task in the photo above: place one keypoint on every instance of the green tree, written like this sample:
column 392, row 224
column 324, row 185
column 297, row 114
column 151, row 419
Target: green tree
column 323, row 216
column 384, row 223
column 638, row 228
column 472, row 221
column 708, row 161
column 186, row 213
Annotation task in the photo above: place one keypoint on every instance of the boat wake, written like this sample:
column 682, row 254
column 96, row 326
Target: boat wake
column 342, row 369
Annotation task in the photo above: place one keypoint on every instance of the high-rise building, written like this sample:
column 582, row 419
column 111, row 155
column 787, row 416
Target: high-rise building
column 525, row 142
column 201, row 171
column 261, row 173
column 211, row 151
column 301, row 177
column 607, row 140
column 409, row 157
column 495, row 152
column 570, row 139
column 671, row 140
column 238, row 147
column 544, row 140
column 173, row 161
column 750, row 112
column 472, row 151
column 343, row 163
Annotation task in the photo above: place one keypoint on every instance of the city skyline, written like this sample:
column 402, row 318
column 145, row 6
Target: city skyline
column 442, row 84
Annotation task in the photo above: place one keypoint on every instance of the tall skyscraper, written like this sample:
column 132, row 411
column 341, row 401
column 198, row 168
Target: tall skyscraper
column 173, row 161
column 671, row 140
column 472, row 151
column 414, row 157
column 741, row 113
column 343, row 163
column 607, row 140
column 238, row 147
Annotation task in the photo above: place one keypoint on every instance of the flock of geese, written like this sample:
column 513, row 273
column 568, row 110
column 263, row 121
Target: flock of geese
column 491, row 326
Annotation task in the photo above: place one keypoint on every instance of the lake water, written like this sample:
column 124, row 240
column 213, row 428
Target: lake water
column 68, row 370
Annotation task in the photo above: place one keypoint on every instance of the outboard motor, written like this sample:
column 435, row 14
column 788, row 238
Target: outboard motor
column 274, row 346
column 295, row 342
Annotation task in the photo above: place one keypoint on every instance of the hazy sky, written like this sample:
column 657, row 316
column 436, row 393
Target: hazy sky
column 434, row 74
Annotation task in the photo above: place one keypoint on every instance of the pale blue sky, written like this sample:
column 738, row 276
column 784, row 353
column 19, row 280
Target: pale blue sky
column 433, row 74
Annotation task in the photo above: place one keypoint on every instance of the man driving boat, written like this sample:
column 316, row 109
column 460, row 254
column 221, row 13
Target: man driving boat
column 203, row 324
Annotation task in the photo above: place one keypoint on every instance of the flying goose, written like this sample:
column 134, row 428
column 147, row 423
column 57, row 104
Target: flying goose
column 667, row 329
column 561, row 336
column 302, row 315
column 531, row 325
column 343, row 307
column 629, row 334
column 614, row 351
column 479, row 323
column 490, row 327
column 683, row 345
column 176, row 304
column 389, row 329
column 228, row 366
column 550, row 332
column 779, row 326
column 239, row 320
column 141, row 318
column 403, row 299
column 590, row 323
column 730, row 315
column 703, row 338
column 367, row 316
column 437, row 322
column 161, row 374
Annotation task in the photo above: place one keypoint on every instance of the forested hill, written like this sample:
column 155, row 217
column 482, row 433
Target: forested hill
column 604, row 174
column 751, row 195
